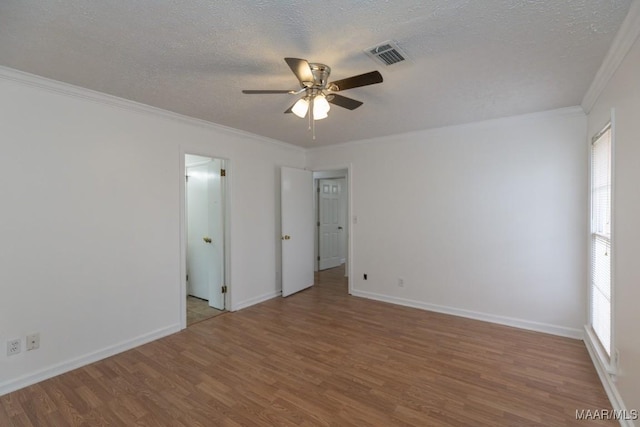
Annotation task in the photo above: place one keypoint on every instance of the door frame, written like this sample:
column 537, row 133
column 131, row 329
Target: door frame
column 226, row 194
column 350, row 225
column 318, row 213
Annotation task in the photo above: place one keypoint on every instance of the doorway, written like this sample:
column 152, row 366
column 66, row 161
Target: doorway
column 300, row 226
column 205, row 237
column 332, row 220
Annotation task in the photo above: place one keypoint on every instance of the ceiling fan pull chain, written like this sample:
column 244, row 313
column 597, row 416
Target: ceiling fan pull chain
column 311, row 117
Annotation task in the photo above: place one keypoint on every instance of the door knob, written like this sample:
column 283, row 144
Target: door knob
column 207, row 239
column 286, row 237
column 339, row 228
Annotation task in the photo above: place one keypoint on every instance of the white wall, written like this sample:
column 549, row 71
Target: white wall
column 485, row 220
column 90, row 221
column 623, row 94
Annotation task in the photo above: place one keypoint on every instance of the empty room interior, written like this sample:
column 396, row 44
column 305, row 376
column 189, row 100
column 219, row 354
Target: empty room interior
column 420, row 213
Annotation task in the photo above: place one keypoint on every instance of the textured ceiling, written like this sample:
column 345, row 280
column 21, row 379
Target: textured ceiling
column 470, row 59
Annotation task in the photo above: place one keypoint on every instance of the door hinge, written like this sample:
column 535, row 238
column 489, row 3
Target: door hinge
column 318, row 189
column 187, row 177
column 187, row 277
column 223, row 172
column 318, row 223
column 318, row 258
column 224, row 289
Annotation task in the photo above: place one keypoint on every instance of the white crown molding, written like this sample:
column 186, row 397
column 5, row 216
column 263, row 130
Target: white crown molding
column 627, row 35
column 67, row 89
column 575, row 111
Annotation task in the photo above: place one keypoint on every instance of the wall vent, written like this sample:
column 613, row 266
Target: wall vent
column 387, row 53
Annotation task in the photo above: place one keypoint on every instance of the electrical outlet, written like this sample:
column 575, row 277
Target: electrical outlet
column 14, row 346
column 400, row 282
column 33, row 341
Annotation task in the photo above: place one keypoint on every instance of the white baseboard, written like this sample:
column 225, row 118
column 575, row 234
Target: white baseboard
column 255, row 300
column 69, row 365
column 502, row 320
column 607, row 378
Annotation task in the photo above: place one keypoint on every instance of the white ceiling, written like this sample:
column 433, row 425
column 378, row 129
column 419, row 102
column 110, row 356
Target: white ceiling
column 470, row 59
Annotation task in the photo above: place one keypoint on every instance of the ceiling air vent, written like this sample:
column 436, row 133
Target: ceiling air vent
column 387, row 53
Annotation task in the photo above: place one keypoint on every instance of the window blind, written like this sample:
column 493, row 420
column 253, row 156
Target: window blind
column 601, row 238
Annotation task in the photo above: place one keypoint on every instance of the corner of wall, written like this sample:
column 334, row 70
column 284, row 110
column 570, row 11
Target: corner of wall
column 628, row 33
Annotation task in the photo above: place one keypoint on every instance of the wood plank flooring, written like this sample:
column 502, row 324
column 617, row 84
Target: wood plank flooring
column 322, row 358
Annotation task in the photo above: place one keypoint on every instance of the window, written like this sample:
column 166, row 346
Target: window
column 600, row 291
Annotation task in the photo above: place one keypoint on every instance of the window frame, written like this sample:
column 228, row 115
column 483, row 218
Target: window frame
column 609, row 359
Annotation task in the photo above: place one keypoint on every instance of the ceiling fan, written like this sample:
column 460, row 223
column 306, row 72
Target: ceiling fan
column 318, row 91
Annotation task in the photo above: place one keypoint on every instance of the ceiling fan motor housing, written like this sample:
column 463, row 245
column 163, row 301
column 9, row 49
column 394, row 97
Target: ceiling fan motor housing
column 321, row 74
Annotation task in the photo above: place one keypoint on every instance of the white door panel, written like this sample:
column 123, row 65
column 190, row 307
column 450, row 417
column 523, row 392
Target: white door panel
column 197, row 227
column 297, row 230
column 330, row 229
column 205, row 235
column 216, row 228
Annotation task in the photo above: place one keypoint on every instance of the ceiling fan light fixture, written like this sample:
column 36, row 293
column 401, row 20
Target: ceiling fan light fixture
column 316, row 87
column 300, row 108
column 321, row 108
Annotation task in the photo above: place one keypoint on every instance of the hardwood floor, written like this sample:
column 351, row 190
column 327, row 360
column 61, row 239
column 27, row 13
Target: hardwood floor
column 321, row 357
column 199, row 310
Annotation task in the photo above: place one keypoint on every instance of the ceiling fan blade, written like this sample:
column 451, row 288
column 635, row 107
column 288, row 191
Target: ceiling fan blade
column 302, row 70
column 343, row 101
column 365, row 79
column 253, row 92
column 290, row 109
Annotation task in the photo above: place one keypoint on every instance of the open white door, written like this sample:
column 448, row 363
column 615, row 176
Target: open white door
column 297, row 230
column 329, row 218
column 205, row 233
column 216, row 227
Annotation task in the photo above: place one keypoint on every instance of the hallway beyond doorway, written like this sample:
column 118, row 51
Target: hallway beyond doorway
column 199, row 310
